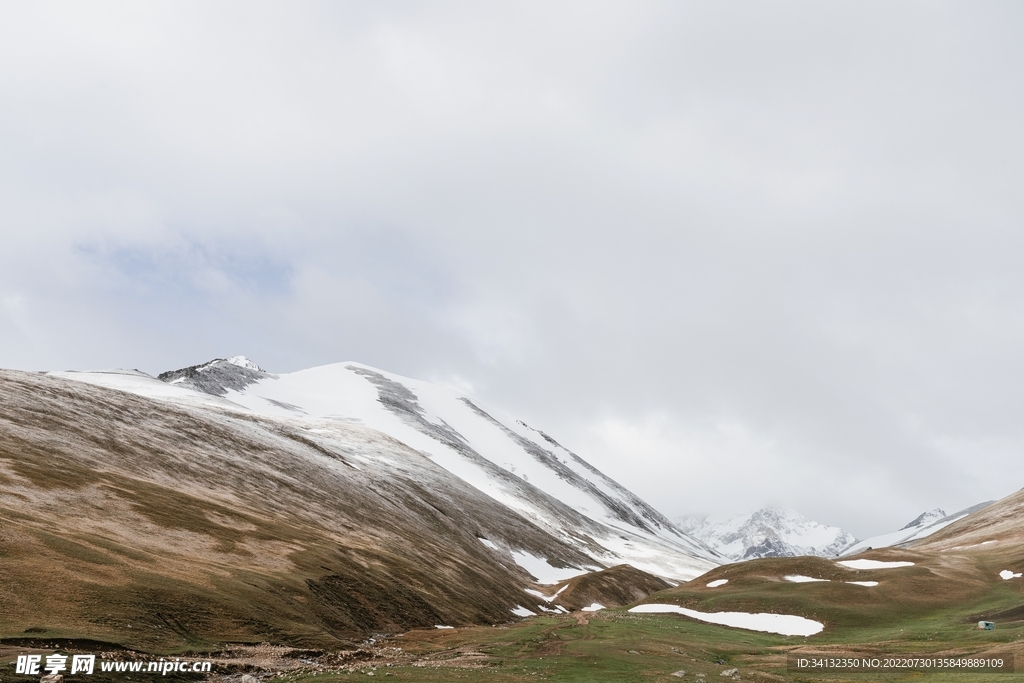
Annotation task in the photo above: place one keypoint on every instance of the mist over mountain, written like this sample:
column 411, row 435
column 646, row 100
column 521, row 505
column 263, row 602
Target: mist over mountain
column 768, row 532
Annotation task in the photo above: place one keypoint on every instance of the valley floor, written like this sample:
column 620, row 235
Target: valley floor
column 612, row 645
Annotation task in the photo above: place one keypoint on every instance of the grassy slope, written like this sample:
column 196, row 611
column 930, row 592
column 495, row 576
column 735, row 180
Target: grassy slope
column 929, row 608
column 615, row 645
column 618, row 646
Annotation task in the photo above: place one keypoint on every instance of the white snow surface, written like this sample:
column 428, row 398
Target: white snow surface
column 768, row 532
column 785, row 624
column 243, row 362
column 873, row 564
column 545, row 598
column 544, row 572
column 1006, row 575
column 512, row 463
column 593, row 607
column 800, row 578
column 717, row 582
column 142, row 384
column 521, row 611
column 863, row 583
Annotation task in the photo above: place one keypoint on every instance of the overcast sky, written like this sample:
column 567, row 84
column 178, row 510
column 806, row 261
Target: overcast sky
column 732, row 253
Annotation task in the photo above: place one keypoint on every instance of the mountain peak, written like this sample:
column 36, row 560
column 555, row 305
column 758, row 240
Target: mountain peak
column 217, row 376
column 769, row 532
column 926, row 518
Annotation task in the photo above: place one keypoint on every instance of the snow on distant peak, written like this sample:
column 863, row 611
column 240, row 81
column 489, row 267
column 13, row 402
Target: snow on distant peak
column 925, row 518
column 243, row 362
column 768, row 532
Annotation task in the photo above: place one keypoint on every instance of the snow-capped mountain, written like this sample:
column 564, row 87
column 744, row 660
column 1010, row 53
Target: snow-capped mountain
column 924, row 525
column 518, row 466
column 925, row 519
column 768, row 532
column 224, row 503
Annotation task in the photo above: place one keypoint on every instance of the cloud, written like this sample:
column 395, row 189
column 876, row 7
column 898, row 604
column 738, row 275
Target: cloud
column 775, row 239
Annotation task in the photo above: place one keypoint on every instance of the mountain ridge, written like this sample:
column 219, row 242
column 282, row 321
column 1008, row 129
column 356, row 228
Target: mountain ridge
column 921, row 527
column 768, row 532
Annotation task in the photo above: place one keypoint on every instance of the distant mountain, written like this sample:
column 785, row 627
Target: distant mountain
column 224, row 502
column 768, row 532
column 924, row 525
column 926, row 519
column 995, row 527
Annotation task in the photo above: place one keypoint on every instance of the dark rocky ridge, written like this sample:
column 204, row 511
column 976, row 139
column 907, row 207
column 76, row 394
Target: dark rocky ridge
column 214, row 377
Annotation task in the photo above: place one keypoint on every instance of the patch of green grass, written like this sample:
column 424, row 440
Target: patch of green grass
column 620, row 646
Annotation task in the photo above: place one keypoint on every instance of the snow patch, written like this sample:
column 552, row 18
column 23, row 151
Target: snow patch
column 487, row 543
column 538, row 594
column 540, row 569
column 873, row 564
column 785, row 624
column 521, row 611
column 863, row 583
column 1006, row 575
column 442, row 626
column 593, row 607
column 800, row 578
column 717, row 582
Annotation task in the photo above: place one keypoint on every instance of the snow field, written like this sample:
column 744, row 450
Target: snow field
column 1006, row 575
column 873, row 564
column 798, row 578
column 717, row 582
column 784, row 624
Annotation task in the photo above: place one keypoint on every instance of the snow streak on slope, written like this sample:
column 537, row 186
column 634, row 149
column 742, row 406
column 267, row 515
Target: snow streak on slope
column 926, row 524
column 769, row 532
column 520, row 467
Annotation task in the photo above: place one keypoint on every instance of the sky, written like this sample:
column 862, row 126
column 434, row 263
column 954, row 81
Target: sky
column 733, row 253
